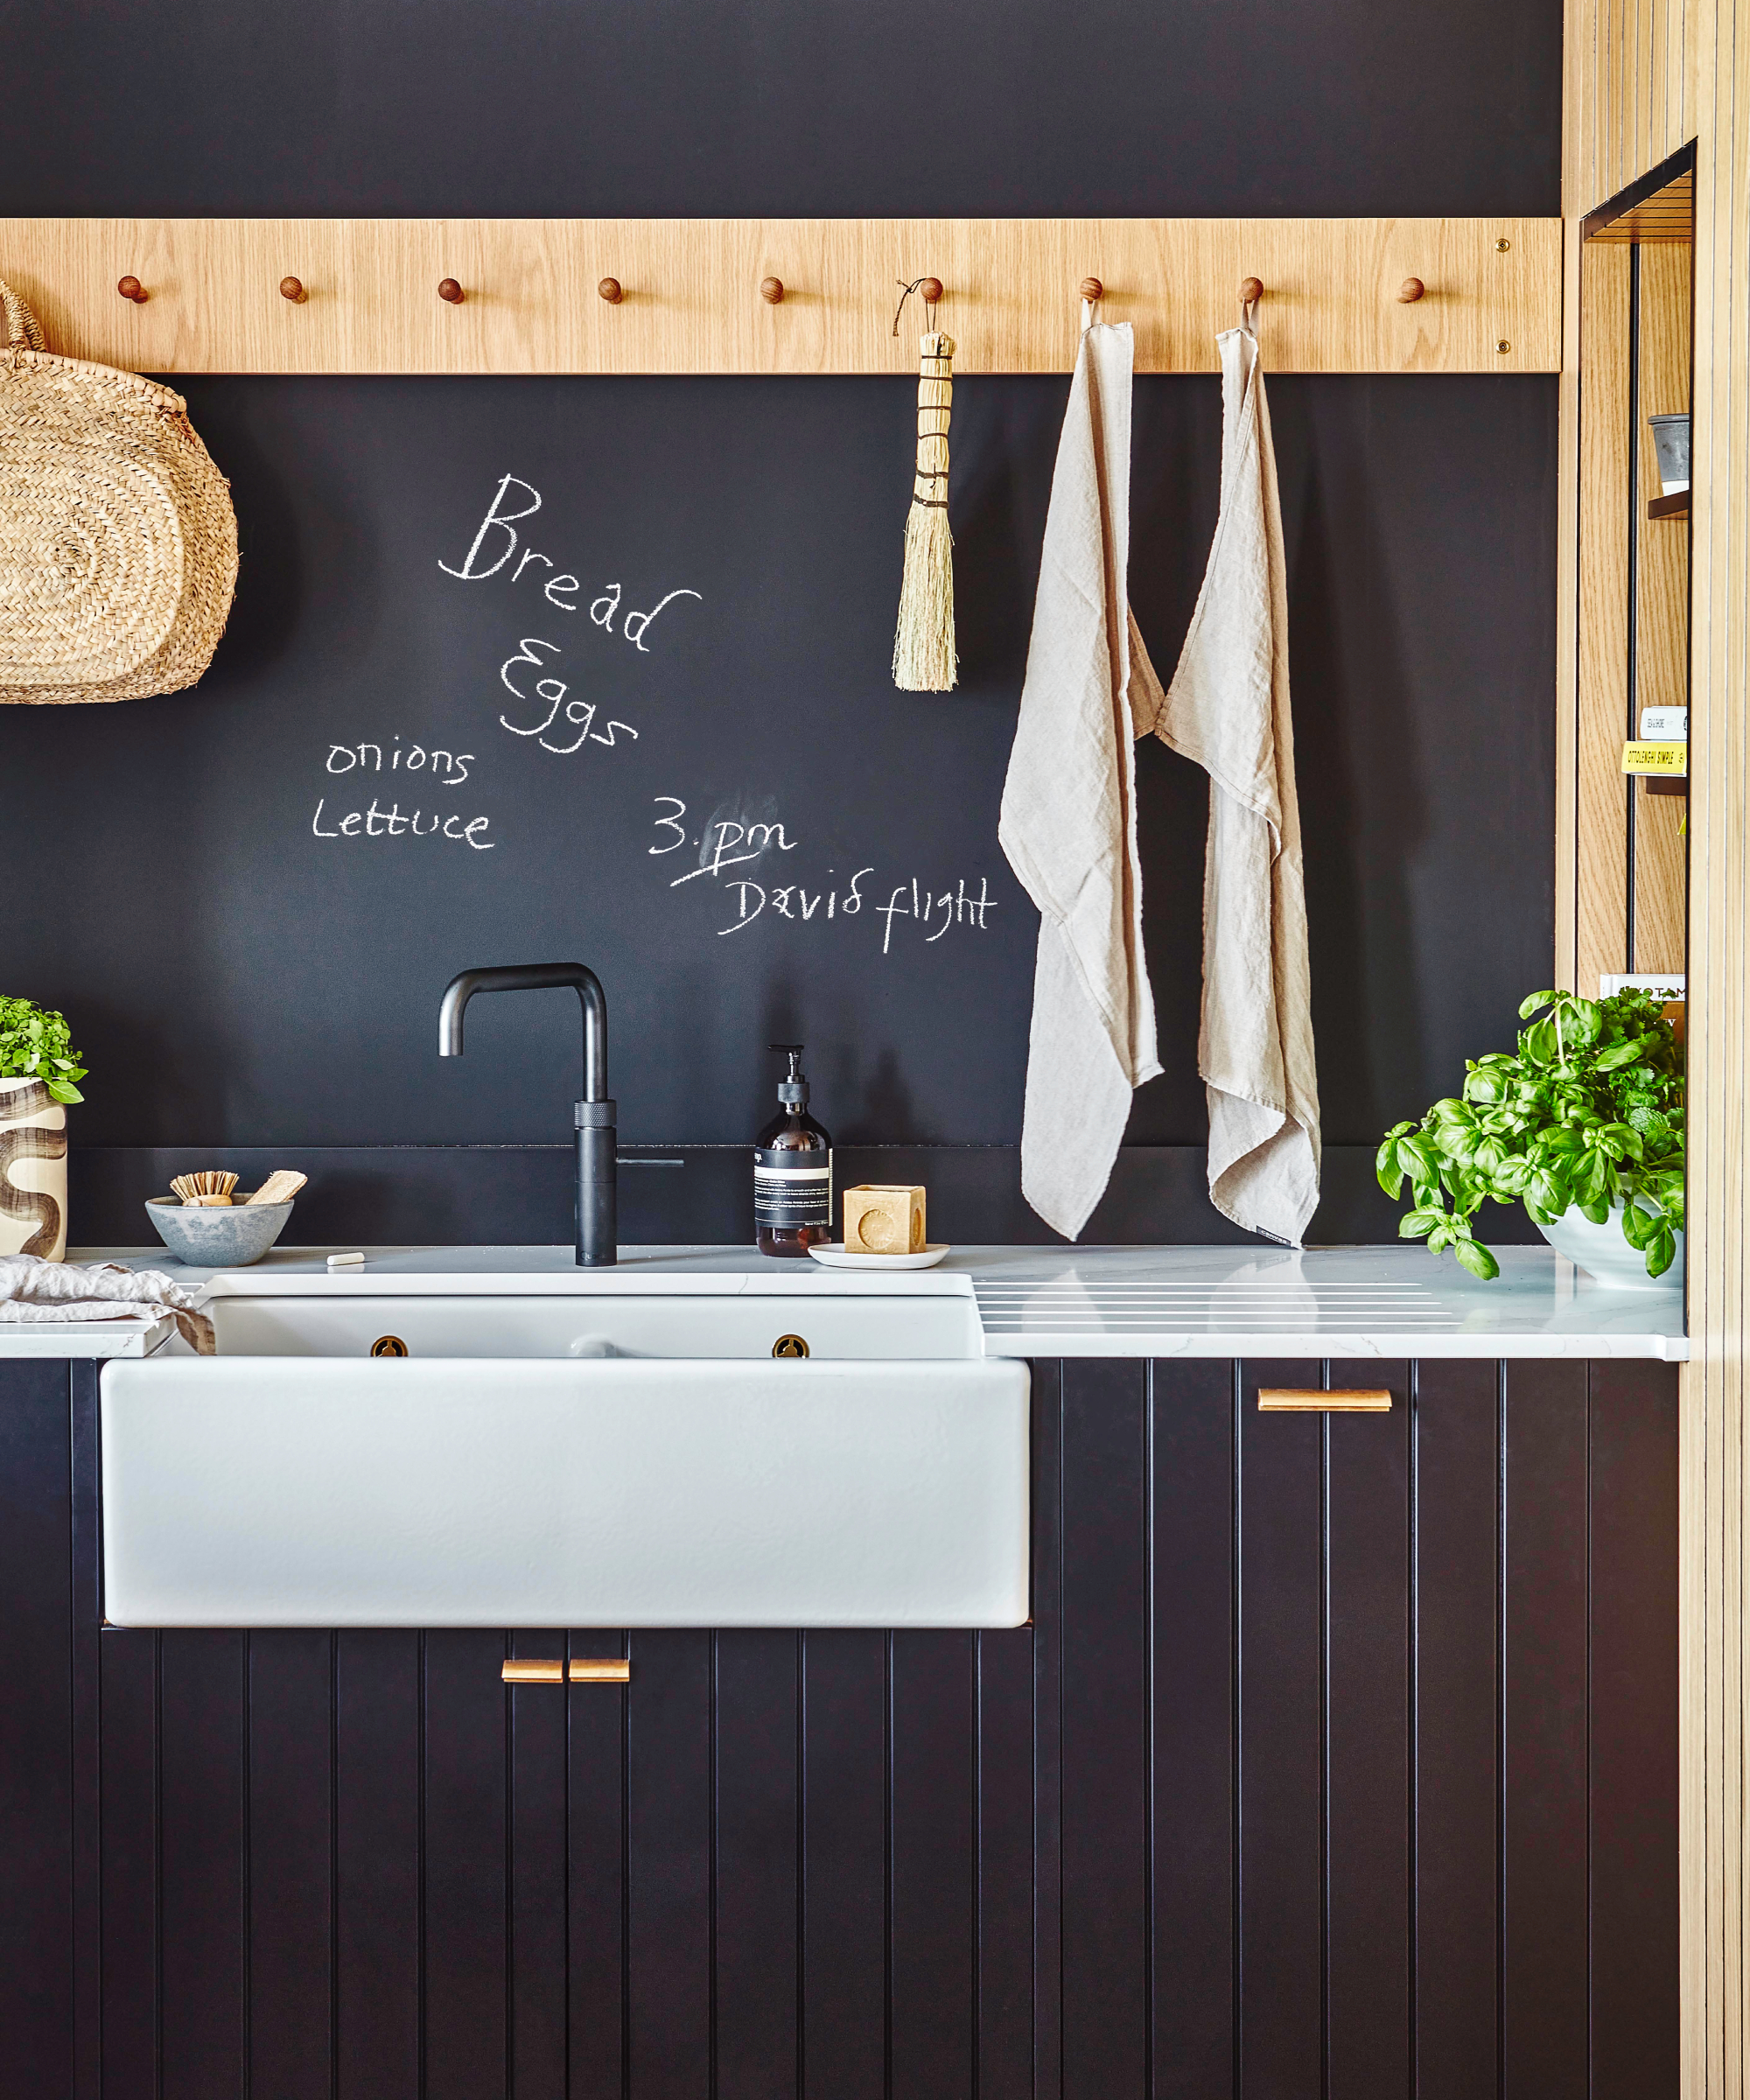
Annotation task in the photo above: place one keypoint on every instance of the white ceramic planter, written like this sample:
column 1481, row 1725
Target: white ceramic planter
column 32, row 1171
column 1604, row 1254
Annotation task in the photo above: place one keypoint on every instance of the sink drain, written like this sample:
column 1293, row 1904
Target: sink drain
column 392, row 1345
column 789, row 1345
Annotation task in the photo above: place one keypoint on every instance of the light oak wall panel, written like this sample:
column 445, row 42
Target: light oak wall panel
column 1631, row 92
column 692, row 301
column 1629, row 78
column 1641, row 81
column 1661, row 609
column 1601, row 791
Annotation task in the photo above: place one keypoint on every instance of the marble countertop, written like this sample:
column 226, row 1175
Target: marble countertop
column 1388, row 1302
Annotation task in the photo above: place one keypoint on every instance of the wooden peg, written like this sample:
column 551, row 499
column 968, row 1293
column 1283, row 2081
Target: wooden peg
column 451, row 292
column 290, row 288
column 1251, row 291
column 772, row 290
column 1411, row 291
column 609, row 289
column 131, row 288
column 1093, row 290
column 930, row 290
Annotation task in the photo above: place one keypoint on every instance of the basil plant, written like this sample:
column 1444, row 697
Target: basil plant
column 1588, row 1115
column 36, row 1043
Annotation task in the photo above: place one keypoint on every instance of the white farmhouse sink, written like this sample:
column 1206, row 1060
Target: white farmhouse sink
column 594, row 1458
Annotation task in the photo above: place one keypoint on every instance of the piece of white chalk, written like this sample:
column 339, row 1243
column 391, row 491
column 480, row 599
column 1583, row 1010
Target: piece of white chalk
column 345, row 1260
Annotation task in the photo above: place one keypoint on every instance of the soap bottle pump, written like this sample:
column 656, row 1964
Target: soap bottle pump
column 792, row 1172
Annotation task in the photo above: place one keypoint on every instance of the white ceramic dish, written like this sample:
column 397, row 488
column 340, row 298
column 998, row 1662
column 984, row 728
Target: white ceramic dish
column 835, row 1258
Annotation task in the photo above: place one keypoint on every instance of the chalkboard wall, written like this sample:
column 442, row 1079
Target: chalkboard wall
column 246, row 967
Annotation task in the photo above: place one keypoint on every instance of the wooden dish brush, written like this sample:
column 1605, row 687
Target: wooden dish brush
column 211, row 1186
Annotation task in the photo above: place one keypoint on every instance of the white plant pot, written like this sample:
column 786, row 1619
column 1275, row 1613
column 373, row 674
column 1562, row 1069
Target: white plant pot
column 32, row 1171
column 1606, row 1256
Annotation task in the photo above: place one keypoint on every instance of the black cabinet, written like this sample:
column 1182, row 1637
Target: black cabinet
column 1339, row 1759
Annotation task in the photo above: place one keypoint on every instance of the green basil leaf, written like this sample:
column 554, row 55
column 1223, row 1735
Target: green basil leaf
column 1477, row 1259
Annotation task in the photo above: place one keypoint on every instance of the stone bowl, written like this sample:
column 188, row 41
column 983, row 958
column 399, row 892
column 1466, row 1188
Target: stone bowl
column 214, row 1237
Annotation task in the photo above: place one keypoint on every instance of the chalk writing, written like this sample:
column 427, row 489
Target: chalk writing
column 448, row 769
column 496, row 541
column 579, row 714
column 953, row 907
column 391, row 823
column 836, row 907
column 731, row 841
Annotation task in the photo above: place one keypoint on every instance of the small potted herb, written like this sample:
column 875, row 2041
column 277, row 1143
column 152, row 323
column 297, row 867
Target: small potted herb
column 1584, row 1125
column 39, row 1068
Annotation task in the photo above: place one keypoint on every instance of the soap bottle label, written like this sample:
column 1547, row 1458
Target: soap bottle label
column 787, row 1196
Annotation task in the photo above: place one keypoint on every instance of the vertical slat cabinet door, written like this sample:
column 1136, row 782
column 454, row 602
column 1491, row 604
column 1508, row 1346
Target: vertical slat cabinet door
column 203, row 1863
column 932, row 1777
column 128, row 1761
column 379, row 1884
column 1004, row 1665
column 466, row 1865
column 1545, row 2041
column 757, row 1872
column 1104, row 1729
column 291, row 1855
column 596, row 1722
column 1193, row 1820
column 1282, row 1734
column 670, row 1791
column 87, row 1736
column 1457, row 1483
column 536, row 1810
column 35, row 1741
column 1368, row 1840
column 1634, row 1779
column 1048, row 1591
column 844, row 1866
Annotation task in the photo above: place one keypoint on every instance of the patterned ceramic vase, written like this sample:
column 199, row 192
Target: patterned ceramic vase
column 32, row 1171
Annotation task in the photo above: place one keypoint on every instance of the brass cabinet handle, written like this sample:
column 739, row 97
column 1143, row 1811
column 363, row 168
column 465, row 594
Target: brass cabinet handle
column 592, row 1669
column 1312, row 1399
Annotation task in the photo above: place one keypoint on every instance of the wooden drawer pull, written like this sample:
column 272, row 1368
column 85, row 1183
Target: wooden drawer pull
column 602, row 1669
column 592, row 1669
column 1311, row 1399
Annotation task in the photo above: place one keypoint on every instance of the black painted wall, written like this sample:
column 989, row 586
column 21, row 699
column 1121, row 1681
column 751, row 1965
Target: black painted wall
column 227, row 998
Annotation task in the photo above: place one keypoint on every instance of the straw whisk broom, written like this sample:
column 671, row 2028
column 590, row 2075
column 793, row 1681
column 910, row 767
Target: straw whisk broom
column 924, row 657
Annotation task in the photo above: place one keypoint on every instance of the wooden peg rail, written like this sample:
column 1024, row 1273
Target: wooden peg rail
column 782, row 295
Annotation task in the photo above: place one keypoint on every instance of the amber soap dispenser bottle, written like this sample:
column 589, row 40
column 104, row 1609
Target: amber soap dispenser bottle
column 792, row 1171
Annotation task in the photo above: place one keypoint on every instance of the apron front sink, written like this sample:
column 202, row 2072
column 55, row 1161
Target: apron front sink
column 320, row 1487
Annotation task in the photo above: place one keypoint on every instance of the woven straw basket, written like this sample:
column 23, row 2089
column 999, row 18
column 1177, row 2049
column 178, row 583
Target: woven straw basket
column 118, row 544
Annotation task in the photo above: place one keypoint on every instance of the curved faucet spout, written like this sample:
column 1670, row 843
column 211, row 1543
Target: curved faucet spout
column 532, row 977
column 596, row 1141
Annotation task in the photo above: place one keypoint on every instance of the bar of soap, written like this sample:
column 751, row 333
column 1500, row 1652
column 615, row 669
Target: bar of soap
column 879, row 1219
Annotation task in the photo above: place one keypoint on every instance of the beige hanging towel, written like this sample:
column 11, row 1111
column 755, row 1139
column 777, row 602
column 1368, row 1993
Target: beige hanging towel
column 1227, row 709
column 1068, row 822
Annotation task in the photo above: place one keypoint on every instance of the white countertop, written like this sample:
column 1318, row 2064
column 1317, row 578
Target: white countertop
column 1388, row 1302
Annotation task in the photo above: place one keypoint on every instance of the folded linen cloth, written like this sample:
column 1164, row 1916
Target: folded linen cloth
column 33, row 1291
column 1068, row 822
column 1227, row 709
